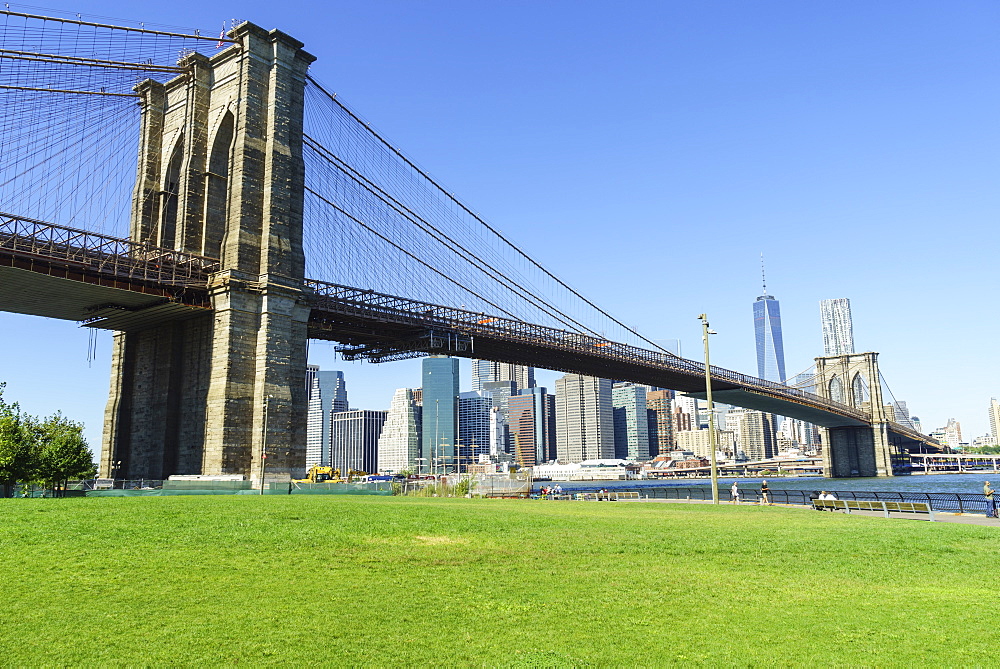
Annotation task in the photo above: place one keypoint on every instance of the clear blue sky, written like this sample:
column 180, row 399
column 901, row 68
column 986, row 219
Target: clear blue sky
column 648, row 152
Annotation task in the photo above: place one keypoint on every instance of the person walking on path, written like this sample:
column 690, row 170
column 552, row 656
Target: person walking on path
column 991, row 503
column 734, row 494
column 765, row 493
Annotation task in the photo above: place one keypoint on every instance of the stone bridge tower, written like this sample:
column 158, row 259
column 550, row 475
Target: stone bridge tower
column 220, row 174
column 853, row 379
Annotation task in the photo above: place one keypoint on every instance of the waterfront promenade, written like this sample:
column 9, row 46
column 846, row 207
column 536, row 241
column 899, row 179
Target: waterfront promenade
column 939, row 516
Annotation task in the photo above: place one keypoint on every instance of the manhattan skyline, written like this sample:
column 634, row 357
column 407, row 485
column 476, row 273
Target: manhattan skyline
column 602, row 136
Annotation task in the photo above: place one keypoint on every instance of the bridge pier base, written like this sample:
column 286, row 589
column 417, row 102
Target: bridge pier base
column 857, row 451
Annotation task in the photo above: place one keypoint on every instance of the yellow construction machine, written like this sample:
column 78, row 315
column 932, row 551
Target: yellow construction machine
column 320, row 474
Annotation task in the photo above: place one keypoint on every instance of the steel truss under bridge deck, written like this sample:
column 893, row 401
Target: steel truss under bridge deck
column 118, row 284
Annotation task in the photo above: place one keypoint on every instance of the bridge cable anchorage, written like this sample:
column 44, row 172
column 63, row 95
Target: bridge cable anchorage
column 477, row 262
column 496, row 233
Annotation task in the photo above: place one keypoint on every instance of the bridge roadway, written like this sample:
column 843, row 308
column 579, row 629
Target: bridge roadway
column 117, row 284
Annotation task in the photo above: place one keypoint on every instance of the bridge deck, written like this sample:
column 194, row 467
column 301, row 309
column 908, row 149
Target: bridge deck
column 59, row 272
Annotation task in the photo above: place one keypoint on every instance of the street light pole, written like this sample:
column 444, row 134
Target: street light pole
column 705, row 331
column 263, row 444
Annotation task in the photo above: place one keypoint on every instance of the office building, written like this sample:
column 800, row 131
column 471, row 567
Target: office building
column 501, row 392
column 699, row 442
column 950, row 435
column 659, row 405
column 475, row 410
column 767, row 329
column 399, row 442
column 901, row 414
column 486, row 371
column 631, row 421
column 327, row 394
column 754, row 432
column 532, row 426
column 440, row 414
column 795, row 433
column 354, row 439
column 838, row 332
column 584, row 419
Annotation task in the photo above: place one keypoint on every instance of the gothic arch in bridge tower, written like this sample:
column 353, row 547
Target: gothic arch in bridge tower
column 836, row 390
column 859, row 390
column 217, row 187
column 220, row 173
column 168, row 193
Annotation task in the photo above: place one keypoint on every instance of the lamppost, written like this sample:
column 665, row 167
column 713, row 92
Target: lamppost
column 705, row 331
column 263, row 445
column 437, row 438
column 442, row 455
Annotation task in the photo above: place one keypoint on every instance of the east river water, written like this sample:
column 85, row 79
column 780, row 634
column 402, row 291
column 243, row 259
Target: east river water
column 930, row 483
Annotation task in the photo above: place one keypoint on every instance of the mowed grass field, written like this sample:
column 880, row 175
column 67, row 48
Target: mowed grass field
column 347, row 581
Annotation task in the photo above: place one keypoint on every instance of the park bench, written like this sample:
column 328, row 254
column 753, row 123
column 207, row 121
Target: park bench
column 849, row 505
column 607, row 496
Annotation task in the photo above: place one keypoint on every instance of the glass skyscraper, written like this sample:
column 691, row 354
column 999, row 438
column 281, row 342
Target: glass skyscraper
column 440, row 413
column 767, row 327
column 631, row 421
column 485, row 371
column 327, row 394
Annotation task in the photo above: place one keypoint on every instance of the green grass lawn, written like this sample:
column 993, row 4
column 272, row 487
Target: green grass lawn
column 401, row 581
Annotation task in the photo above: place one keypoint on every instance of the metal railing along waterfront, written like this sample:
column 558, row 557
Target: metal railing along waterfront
column 939, row 501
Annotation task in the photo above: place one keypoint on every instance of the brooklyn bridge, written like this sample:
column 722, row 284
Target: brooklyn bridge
column 216, row 207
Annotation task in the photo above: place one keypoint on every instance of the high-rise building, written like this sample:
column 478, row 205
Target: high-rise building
column 440, row 414
column 800, row 434
column 532, row 426
column 699, row 442
column 399, row 443
column 952, row 434
column 767, row 329
column 501, row 391
column 838, row 332
column 327, row 394
column 685, row 413
column 354, row 439
column 474, row 426
column 901, row 414
column 631, row 421
column 659, row 404
column 485, row 371
column 754, row 431
column 585, row 428
column 995, row 420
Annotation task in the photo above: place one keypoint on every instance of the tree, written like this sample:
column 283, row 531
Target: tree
column 62, row 452
column 17, row 446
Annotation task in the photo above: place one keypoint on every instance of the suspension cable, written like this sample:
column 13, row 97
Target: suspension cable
column 333, row 98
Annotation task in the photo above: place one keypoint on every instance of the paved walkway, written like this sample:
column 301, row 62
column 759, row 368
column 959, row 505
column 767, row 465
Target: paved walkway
column 939, row 516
